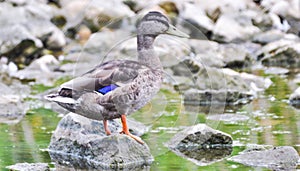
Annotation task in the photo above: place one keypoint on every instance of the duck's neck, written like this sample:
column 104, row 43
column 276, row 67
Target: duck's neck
column 146, row 53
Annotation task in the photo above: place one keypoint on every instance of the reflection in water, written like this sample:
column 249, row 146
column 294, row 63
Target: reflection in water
column 272, row 121
column 205, row 156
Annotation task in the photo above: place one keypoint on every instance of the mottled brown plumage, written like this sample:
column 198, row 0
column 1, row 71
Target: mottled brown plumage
column 136, row 82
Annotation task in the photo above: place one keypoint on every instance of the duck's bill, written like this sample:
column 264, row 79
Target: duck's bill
column 174, row 31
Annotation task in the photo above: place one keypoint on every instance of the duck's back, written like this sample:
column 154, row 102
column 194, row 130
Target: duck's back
column 119, row 86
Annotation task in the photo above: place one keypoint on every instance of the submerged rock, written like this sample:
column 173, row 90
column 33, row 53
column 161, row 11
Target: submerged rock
column 29, row 167
column 276, row 158
column 201, row 144
column 81, row 143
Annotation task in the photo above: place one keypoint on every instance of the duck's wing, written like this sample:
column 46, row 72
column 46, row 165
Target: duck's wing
column 117, row 72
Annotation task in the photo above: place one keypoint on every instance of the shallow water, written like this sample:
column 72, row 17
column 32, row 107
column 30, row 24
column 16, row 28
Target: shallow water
column 271, row 121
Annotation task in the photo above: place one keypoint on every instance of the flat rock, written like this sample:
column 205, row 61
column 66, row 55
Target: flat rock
column 81, row 143
column 276, row 158
column 201, row 144
column 29, row 167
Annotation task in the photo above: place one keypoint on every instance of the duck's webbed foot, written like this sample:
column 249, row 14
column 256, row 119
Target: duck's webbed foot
column 125, row 130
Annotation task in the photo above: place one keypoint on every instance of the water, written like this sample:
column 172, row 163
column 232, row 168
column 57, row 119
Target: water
column 272, row 121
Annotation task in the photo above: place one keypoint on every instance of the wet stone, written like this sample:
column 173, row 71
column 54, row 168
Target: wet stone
column 208, row 97
column 81, row 143
column 276, row 158
column 29, row 167
column 201, row 144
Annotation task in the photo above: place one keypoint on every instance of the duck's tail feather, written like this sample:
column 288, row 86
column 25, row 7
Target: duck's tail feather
column 60, row 99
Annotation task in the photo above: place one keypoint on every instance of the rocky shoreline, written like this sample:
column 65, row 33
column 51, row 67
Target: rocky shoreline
column 43, row 42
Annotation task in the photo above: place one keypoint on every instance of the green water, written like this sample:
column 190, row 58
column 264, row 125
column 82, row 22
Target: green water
column 272, row 122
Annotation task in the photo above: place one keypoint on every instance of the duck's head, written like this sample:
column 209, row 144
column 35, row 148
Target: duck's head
column 155, row 23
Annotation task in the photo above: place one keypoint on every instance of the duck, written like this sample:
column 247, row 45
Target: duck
column 117, row 88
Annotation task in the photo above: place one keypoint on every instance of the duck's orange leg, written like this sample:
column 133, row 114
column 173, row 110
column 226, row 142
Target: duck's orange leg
column 125, row 130
column 107, row 131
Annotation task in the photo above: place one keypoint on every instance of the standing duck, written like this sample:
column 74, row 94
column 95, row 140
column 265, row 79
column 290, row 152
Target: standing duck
column 117, row 88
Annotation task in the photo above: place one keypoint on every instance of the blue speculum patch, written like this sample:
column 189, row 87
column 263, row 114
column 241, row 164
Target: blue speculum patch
column 107, row 89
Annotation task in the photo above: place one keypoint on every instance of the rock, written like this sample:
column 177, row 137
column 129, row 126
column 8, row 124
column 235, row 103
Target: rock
column 268, row 36
column 207, row 85
column 29, row 167
column 196, row 21
column 208, row 97
column 276, row 158
column 82, row 143
column 229, row 55
column 295, row 98
column 41, row 70
column 207, row 52
column 283, row 53
column 201, row 144
column 12, row 105
column 276, row 70
column 96, row 45
column 235, row 56
column 94, row 14
column 228, row 117
column 234, row 27
column 21, row 40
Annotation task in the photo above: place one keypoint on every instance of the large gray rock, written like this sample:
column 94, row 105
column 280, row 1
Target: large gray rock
column 230, row 55
column 282, row 53
column 201, row 84
column 81, row 143
column 29, row 167
column 234, row 27
column 201, row 144
column 276, row 158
